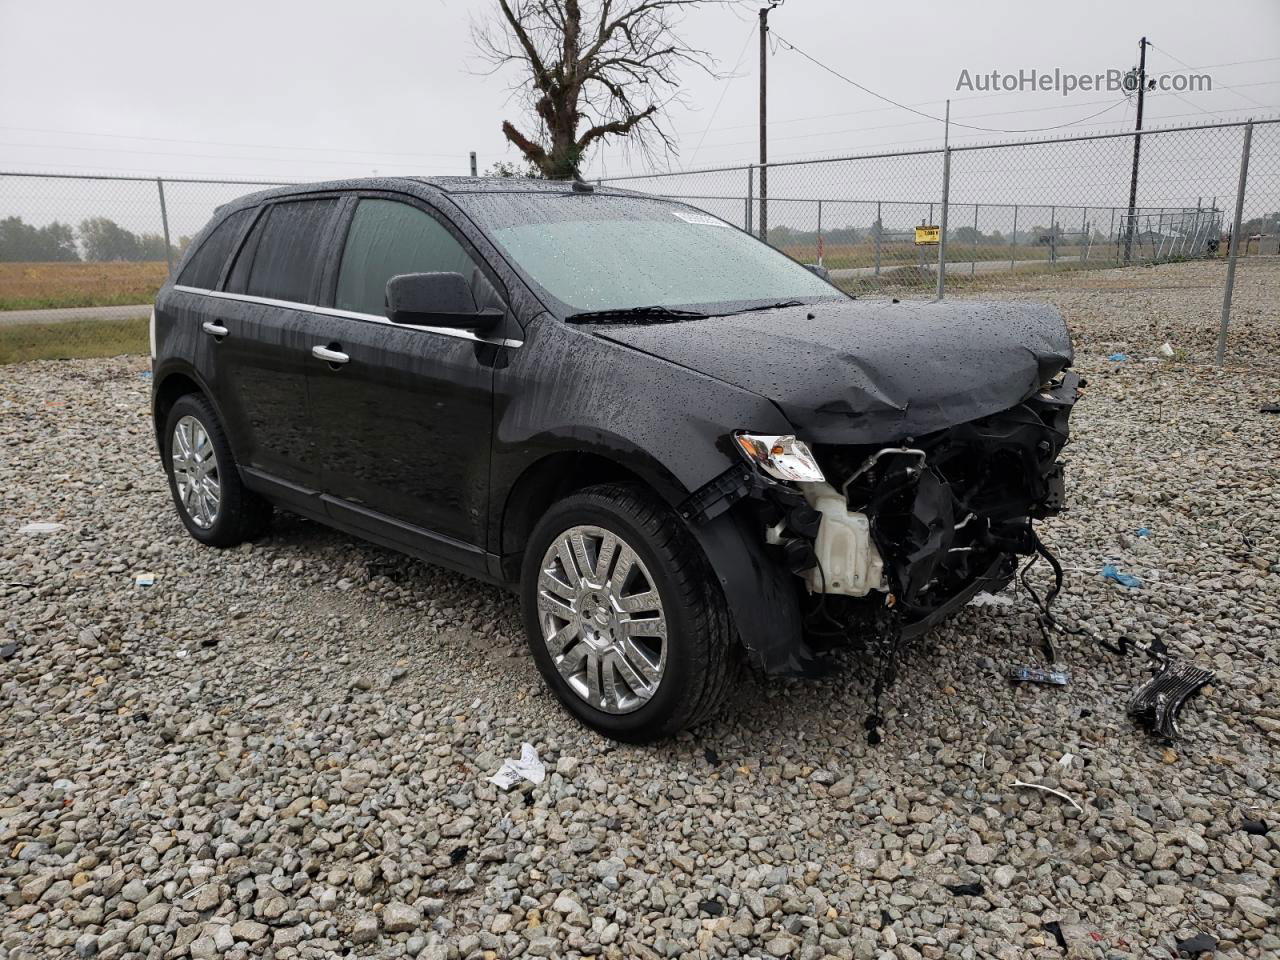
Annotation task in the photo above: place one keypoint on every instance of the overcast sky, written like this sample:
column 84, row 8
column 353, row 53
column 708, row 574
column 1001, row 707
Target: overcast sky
column 324, row 89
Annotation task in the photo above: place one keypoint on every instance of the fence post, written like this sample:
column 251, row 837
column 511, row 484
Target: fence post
column 819, row 233
column 1084, row 235
column 1111, row 230
column 764, row 202
column 1235, row 243
column 942, row 231
column 751, row 190
column 1053, row 234
column 1013, row 240
column 973, row 264
column 879, row 230
column 164, row 221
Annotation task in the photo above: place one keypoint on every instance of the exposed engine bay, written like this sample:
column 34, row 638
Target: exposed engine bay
column 892, row 539
column 921, row 525
column 941, row 510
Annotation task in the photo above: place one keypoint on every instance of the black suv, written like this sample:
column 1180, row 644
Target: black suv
column 684, row 449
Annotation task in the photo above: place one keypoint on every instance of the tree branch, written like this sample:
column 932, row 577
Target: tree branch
column 610, row 65
column 617, row 127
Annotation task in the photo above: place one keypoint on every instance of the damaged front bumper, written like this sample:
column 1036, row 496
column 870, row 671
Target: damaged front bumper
column 916, row 528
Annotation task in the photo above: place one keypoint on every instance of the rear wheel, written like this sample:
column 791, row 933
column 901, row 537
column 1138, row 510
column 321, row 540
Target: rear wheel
column 625, row 620
column 215, row 507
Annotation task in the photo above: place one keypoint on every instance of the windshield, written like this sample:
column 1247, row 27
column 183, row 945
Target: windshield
column 597, row 252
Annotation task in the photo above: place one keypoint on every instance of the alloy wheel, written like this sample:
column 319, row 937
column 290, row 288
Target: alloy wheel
column 195, row 472
column 602, row 619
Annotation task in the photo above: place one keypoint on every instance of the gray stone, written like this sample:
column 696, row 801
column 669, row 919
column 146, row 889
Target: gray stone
column 365, row 930
column 400, row 918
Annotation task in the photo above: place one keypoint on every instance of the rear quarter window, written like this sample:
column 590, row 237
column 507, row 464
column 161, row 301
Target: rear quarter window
column 205, row 266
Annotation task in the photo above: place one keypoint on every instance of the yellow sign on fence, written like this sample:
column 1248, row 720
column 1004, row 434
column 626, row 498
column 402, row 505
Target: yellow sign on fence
column 926, row 236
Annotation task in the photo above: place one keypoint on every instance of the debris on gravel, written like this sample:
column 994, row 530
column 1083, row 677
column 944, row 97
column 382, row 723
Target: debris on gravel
column 282, row 749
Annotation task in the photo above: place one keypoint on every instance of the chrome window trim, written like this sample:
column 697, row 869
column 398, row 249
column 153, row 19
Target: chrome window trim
column 349, row 315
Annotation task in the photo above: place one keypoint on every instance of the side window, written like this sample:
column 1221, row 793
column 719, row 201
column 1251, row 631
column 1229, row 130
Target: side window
column 205, row 266
column 282, row 259
column 387, row 238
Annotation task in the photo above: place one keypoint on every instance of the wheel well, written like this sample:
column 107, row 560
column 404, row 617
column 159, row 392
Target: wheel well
column 550, row 479
column 174, row 386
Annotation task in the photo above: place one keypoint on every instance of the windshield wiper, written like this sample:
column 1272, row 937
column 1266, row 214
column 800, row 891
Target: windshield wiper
column 768, row 306
column 623, row 314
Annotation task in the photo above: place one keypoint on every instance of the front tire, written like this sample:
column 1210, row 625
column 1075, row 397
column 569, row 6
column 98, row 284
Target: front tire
column 624, row 617
column 213, row 504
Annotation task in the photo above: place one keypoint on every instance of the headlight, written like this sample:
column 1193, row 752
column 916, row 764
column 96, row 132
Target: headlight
column 783, row 458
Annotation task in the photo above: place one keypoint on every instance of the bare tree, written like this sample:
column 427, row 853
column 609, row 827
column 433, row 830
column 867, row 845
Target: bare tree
column 591, row 70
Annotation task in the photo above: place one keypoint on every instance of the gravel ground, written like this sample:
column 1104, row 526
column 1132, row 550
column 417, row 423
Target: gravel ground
column 282, row 749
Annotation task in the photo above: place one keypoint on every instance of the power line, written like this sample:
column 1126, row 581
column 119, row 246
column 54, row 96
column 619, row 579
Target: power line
column 213, row 175
column 223, row 143
column 203, row 156
column 1224, row 86
column 1232, row 63
column 892, row 126
column 723, row 90
column 993, row 113
column 879, row 96
column 802, row 155
column 865, row 110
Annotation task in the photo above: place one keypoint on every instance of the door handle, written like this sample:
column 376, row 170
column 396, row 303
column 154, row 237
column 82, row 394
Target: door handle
column 330, row 356
column 214, row 329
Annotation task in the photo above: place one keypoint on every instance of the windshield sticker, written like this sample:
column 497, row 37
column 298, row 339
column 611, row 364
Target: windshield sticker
column 701, row 219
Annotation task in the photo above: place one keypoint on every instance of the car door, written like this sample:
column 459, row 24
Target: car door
column 261, row 353
column 405, row 411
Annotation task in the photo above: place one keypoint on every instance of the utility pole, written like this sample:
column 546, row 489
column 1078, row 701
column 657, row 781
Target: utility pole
column 764, row 101
column 1137, row 150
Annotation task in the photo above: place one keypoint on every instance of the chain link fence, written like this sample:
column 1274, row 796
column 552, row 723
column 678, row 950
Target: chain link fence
column 81, row 258
column 975, row 218
column 920, row 223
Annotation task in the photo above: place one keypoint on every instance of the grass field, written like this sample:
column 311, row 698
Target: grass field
column 837, row 256
column 36, row 286
column 74, row 338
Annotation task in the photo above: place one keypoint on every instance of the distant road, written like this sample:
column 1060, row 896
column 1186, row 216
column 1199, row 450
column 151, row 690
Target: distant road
column 63, row 314
column 954, row 267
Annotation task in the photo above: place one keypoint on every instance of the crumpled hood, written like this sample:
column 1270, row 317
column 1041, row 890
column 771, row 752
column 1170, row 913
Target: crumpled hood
column 870, row 371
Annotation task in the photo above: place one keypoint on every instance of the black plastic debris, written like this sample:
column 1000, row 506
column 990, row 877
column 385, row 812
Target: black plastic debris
column 1057, row 678
column 458, row 854
column 712, row 757
column 1054, row 929
column 712, row 908
column 872, row 726
column 965, row 889
column 1157, row 704
column 1271, row 408
column 1194, row 946
column 1257, row 828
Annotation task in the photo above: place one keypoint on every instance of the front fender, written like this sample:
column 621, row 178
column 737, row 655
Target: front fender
column 761, row 595
column 566, row 387
column 567, row 390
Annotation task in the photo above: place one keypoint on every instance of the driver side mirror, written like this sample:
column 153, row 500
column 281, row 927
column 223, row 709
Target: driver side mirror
column 436, row 300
